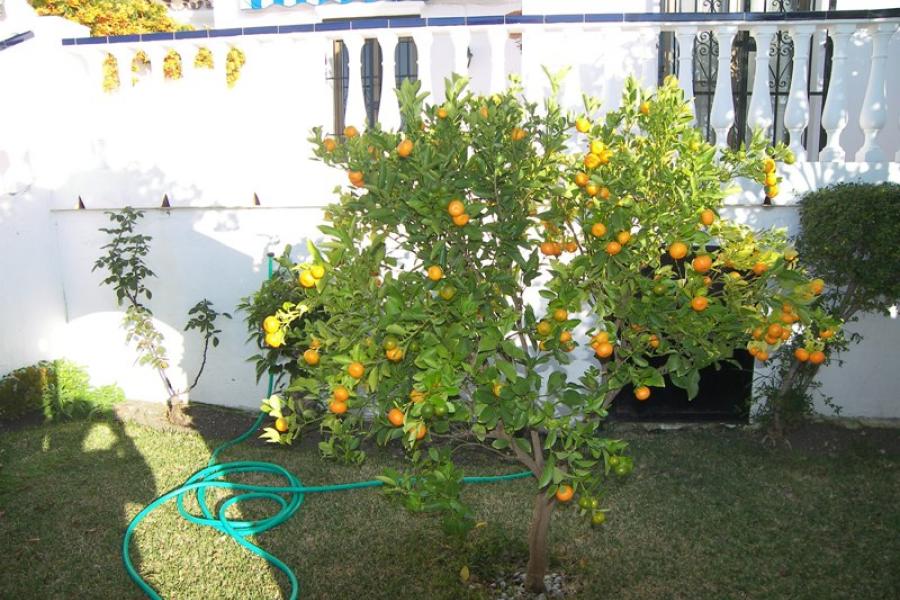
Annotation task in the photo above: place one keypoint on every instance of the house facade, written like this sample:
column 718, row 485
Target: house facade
column 233, row 160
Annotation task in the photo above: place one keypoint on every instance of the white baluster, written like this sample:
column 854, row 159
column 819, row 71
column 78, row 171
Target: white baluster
column 497, row 38
column 686, row 37
column 873, row 115
column 796, row 113
column 388, row 108
column 835, row 114
column 356, row 104
column 219, row 52
column 759, row 114
column 423, row 39
column 322, row 78
column 722, row 115
column 460, row 38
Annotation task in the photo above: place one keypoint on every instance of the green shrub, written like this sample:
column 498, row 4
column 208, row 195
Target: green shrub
column 58, row 389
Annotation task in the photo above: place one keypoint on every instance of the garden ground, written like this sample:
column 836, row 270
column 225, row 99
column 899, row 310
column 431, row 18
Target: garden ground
column 706, row 514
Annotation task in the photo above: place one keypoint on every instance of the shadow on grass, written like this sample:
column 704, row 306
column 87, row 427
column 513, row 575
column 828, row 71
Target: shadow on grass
column 66, row 494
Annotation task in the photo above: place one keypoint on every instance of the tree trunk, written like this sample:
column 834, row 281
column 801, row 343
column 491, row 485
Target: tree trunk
column 538, row 551
column 175, row 412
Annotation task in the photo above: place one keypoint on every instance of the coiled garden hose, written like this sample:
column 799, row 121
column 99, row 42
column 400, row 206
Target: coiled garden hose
column 213, row 476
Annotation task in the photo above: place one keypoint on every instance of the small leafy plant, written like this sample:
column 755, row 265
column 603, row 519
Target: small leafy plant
column 127, row 271
column 849, row 235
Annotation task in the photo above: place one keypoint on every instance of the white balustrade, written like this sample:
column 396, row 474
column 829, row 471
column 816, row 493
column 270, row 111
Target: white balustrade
column 423, row 39
column 389, row 107
column 686, row 37
column 835, row 115
column 356, row 105
column 722, row 114
column 460, row 38
column 759, row 113
column 156, row 54
column 497, row 38
column 124, row 55
column 873, row 114
column 796, row 114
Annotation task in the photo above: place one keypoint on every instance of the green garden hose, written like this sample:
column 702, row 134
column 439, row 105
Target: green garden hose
column 213, row 476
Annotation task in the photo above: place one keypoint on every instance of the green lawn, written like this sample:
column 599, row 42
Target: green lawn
column 706, row 514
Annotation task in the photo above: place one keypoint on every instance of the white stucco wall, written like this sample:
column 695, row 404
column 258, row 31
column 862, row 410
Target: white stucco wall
column 209, row 149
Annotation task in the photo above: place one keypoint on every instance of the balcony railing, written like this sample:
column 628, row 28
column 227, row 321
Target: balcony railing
column 281, row 45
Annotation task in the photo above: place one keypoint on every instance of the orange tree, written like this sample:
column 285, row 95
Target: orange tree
column 475, row 249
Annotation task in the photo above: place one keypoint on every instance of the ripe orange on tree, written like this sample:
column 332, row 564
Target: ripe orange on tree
column 442, row 113
column 644, row 108
column 271, row 324
column 582, row 125
column 517, row 134
column 581, row 179
column 565, row 337
column 623, row 237
column 604, row 193
column 396, row 417
column 598, row 230
column 275, row 339
column 311, row 357
column 613, row 248
column 544, row 327
column 759, row 268
column 654, row 341
column 817, row 357
column 826, row 334
column 394, row 355
column 642, row 392
column 801, row 354
column 405, row 148
column 350, row 131
column 306, row 278
column 281, row 424
column 417, row 396
column 762, row 356
column 699, row 303
column 678, row 250
column 356, row 370
column 774, row 330
column 591, row 161
column 571, row 246
column 817, row 286
column 702, row 263
column 456, row 208
column 340, row 394
column 337, row 408
column 318, row 271
column 560, row 315
column 592, row 189
column 564, row 493
column 356, row 178
column 768, row 165
column 435, row 273
column 707, row 217
column 461, row 220
column 329, row 144
column 603, row 350
column 421, row 430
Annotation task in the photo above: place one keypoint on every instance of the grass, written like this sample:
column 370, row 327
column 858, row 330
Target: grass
column 706, row 514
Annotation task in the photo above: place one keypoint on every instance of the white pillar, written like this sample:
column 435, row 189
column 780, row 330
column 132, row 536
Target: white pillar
column 321, row 49
column 686, row 37
column 497, row 38
column 460, row 38
column 220, row 52
column 873, row 115
column 759, row 114
column 722, row 115
column 356, row 105
column 796, row 113
column 388, row 108
column 835, row 114
column 423, row 39
column 156, row 52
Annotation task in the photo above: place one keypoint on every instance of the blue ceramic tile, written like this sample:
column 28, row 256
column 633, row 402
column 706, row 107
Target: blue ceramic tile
column 333, row 26
column 486, row 20
column 87, row 41
column 604, row 18
column 524, row 19
column 152, row 37
column 407, row 22
column 260, row 30
column 446, row 21
column 564, row 19
column 124, row 38
column 299, row 28
column 368, row 23
column 190, row 35
column 68, row 42
column 234, row 31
